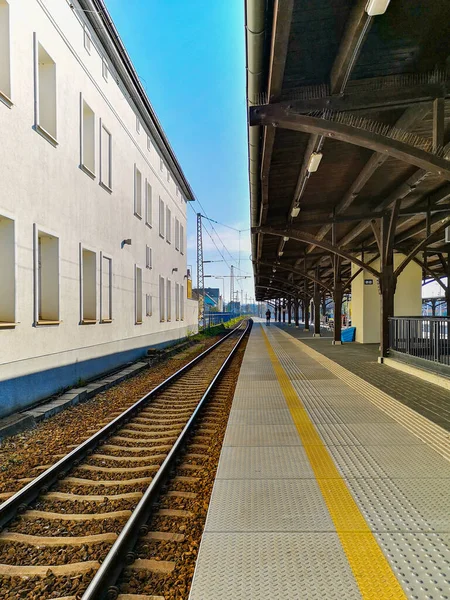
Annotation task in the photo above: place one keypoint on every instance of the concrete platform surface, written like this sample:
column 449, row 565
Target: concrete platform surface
column 327, row 488
column 431, row 401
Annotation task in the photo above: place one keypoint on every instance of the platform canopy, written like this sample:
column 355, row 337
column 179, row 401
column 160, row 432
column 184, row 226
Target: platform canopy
column 349, row 124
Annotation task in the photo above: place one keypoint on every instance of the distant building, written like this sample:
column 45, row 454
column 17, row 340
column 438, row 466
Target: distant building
column 212, row 296
column 92, row 205
column 213, row 293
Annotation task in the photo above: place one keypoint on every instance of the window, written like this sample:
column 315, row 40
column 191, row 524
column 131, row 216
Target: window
column 161, row 164
column 87, row 138
column 137, row 192
column 169, row 299
column 168, row 175
column 148, row 257
column 88, row 285
column 138, row 294
column 161, row 218
column 7, row 270
column 148, row 305
column 182, row 302
column 177, row 234
column 5, row 59
column 105, row 69
column 138, row 125
column 161, row 300
column 177, row 301
column 168, row 225
column 105, row 158
column 177, row 191
column 149, row 143
column 181, row 239
column 148, row 204
column 46, row 278
column 45, row 95
column 87, row 40
column 106, row 290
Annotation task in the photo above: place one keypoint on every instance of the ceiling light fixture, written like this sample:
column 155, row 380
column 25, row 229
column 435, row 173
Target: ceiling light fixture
column 376, row 7
column 314, row 161
column 285, row 239
column 280, row 253
column 295, row 211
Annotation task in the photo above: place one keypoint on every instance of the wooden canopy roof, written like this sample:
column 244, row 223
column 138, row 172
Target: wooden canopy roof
column 369, row 93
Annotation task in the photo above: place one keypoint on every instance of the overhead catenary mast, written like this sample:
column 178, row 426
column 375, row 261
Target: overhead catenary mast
column 200, row 273
column 231, row 288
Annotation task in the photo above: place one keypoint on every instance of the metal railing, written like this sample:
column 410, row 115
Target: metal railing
column 422, row 337
column 211, row 319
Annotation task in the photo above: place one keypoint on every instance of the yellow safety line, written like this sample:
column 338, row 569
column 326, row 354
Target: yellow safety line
column 371, row 570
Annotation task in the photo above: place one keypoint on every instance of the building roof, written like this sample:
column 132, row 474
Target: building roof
column 371, row 95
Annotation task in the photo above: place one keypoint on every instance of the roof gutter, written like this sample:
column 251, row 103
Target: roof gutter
column 99, row 17
column 255, row 13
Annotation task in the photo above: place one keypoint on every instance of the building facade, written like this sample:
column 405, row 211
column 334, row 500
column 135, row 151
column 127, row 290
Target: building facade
column 92, row 205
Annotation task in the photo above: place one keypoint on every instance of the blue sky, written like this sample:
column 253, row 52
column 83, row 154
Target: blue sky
column 190, row 56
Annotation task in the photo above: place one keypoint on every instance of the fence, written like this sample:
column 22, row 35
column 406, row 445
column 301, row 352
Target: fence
column 217, row 318
column 422, row 337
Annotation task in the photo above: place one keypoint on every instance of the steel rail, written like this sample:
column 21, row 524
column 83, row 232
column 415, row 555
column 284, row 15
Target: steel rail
column 102, row 585
column 21, row 499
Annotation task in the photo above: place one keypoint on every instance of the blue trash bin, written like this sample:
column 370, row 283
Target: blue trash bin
column 348, row 335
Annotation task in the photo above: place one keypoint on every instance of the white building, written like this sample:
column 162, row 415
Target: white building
column 92, row 205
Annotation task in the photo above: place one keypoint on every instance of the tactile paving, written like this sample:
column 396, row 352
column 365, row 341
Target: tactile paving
column 249, row 399
column 267, row 505
column 355, row 461
column 338, row 388
column 384, row 434
column 431, row 499
column 280, row 416
column 268, row 388
column 413, row 462
column 289, row 462
column 337, row 434
column 288, row 566
column 261, row 435
column 387, row 508
column 421, row 562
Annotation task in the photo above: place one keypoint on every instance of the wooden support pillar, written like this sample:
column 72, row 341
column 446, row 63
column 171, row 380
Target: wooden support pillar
column 337, row 299
column 306, row 304
column 316, row 307
column 284, row 310
column 324, row 305
column 338, row 292
column 447, row 291
column 296, row 309
column 279, row 310
column 317, row 315
column 388, row 284
column 289, row 311
column 438, row 123
column 387, row 281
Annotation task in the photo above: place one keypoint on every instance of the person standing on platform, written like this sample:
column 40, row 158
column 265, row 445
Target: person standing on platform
column 268, row 315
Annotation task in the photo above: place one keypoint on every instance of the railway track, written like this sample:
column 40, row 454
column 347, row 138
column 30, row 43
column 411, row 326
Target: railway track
column 69, row 532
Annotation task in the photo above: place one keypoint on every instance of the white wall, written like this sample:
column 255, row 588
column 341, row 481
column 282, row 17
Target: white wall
column 43, row 187
column 365, row 303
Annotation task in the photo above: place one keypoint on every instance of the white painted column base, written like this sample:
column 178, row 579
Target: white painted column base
column 336, row 343
column 317, row 335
